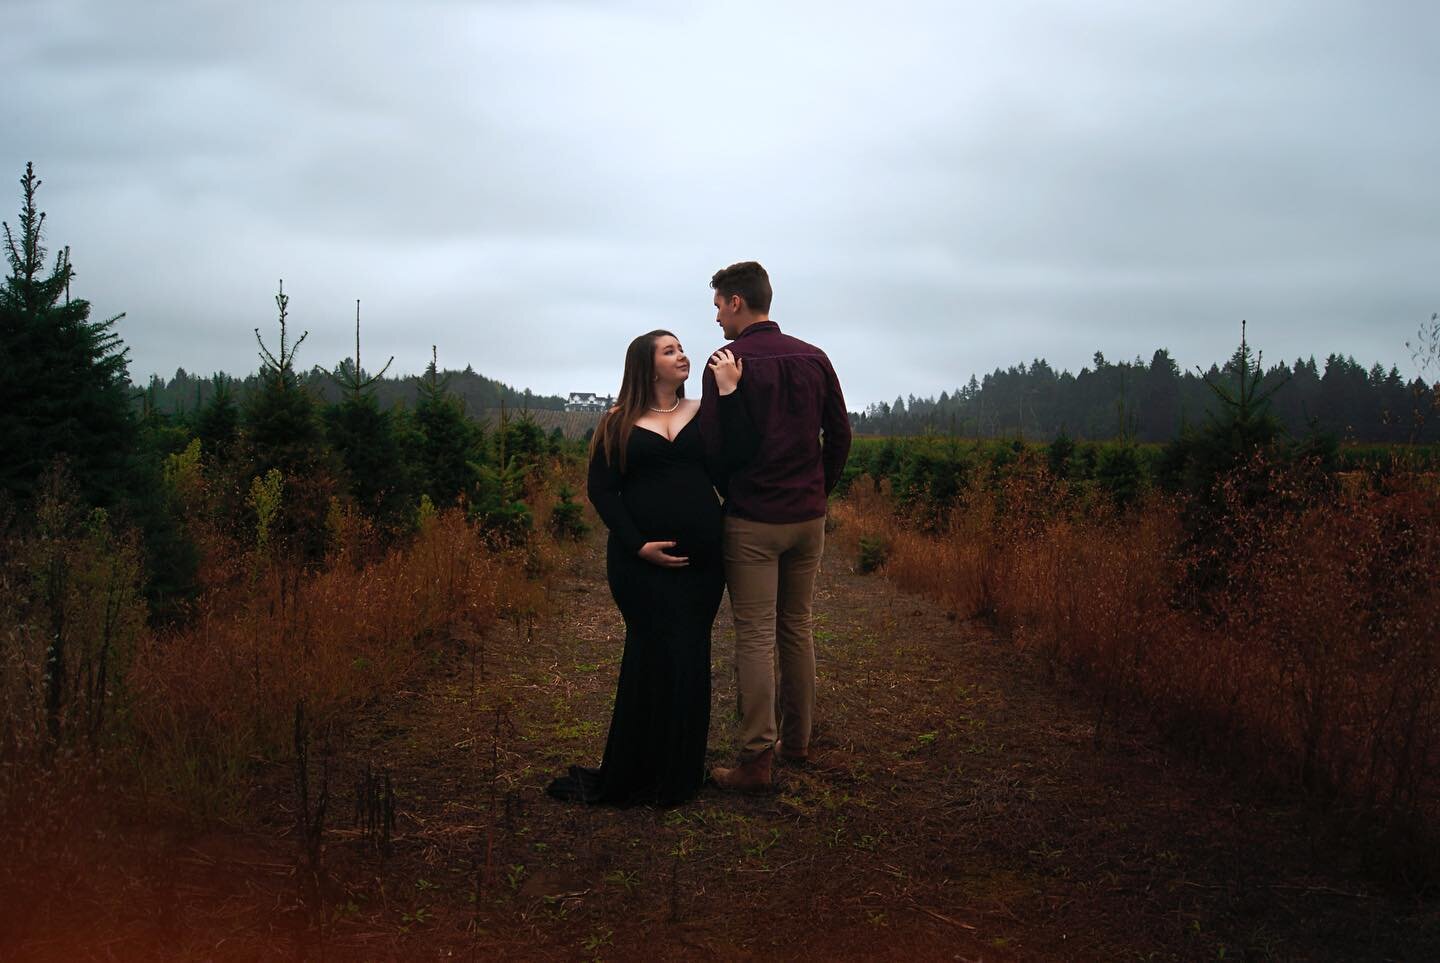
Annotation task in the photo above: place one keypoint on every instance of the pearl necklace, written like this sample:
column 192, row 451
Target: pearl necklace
column 666, row 411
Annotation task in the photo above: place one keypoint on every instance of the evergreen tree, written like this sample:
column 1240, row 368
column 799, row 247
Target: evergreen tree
column 282, row 432
column 567, row 519
column 366, row 440
column 171, row 556
column 281, row 427
column 63, row 380
column 1200, row 457
column 1160, row 398
column 449, row 441
column 217, row 422
column 521, row 438
column 500, row 486
column 1059, row 452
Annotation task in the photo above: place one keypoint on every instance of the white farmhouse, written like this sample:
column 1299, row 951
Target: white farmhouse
column 588, row 401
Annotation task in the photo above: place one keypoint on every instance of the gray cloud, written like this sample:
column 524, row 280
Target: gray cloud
column 936, row 190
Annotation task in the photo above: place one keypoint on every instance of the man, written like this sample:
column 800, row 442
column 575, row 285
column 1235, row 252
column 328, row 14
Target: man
column 774, row 519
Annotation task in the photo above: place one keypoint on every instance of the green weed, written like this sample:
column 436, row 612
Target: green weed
column 630, row 880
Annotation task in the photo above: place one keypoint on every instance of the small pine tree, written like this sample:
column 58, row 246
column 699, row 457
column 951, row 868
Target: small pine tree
column 281, row 427
column 449, row 442
column 282, row 431
column 1243, row 426
column 499, row 489
column 367, row 443
column 217, row 422
column 1225, row 466
column 523, row 439
column 1120, row 473
column 1059, row 452
column 567, row 519
column 64, row 388
column 497, row 504
column 366, row 439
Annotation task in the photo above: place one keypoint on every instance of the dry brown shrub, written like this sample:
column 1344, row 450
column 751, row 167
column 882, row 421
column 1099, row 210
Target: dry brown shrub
column 1313, row 659
column 185, row 711
column 865, row 515
column 212, row 695
column 542, row 555
column 1335, row 612
column 71, row 617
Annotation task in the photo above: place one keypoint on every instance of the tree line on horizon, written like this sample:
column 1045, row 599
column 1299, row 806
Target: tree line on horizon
column 1129, row 400
column 1155, row 402
column 186, row 392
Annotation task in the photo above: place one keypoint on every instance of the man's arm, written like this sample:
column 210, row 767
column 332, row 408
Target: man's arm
column 835, row 428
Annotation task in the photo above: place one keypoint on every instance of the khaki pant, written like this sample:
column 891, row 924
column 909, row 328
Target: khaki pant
column 770, row 571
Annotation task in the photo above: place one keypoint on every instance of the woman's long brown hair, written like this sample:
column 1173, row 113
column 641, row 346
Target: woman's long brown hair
column 612, row 435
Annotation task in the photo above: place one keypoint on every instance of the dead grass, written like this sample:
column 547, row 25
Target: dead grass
column 958, row 807
column 210, row 697
column 965, row 800
column 1309, row 654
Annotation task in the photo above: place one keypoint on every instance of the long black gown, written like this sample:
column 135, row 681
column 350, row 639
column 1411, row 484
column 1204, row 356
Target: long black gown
column 655, row 752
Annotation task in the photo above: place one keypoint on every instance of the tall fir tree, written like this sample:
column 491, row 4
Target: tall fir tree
column 368, row 443
column 282, row 431
column 497, row 501
column 1201, row 457
column 282, row 427
column 217, row 421
column 450, row 443
column 64, row 388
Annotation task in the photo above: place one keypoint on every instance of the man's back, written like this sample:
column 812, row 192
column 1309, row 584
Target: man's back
column 792, row 396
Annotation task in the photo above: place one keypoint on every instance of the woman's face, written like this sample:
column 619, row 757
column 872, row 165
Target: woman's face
column 671, row 365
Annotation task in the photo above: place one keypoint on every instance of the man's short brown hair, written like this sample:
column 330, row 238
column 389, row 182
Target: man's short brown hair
column 747, row 279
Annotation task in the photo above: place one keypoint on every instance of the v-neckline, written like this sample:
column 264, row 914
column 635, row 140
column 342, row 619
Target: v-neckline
column 669, row 441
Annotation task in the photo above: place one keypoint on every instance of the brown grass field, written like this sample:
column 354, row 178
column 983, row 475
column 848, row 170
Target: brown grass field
column 962, row 805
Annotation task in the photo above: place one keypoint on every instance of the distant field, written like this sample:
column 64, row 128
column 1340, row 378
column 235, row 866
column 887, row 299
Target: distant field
column 573, row 424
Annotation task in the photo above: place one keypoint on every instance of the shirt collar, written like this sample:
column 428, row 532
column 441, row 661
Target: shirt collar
column 758, row 326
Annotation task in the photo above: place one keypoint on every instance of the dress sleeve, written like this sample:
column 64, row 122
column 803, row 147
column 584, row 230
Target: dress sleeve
column 739, row 441
column 709, row 419
column 603, row 487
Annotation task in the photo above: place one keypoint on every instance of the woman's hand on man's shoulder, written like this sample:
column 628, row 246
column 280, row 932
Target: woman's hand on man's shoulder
column 727, row 369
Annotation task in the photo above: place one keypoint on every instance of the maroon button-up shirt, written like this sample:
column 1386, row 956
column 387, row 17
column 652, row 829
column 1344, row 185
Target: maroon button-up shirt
column 792, row 398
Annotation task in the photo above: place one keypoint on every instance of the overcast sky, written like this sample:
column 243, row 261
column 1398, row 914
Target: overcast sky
column 936, row 188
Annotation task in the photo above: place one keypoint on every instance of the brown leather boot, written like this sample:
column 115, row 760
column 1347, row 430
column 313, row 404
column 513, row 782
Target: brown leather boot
column 749, row 776
column 787, row 758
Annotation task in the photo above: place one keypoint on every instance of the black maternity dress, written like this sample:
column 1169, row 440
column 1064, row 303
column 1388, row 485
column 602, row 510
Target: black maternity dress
column 655, row 752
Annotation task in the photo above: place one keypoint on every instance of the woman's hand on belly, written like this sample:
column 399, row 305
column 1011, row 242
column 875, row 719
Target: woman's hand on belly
column 654, row 553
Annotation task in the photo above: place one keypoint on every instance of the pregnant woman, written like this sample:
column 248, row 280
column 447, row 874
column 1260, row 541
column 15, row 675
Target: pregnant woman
column 655, row 491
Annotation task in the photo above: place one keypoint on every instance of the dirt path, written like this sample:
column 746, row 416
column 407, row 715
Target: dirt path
column 958, row 808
